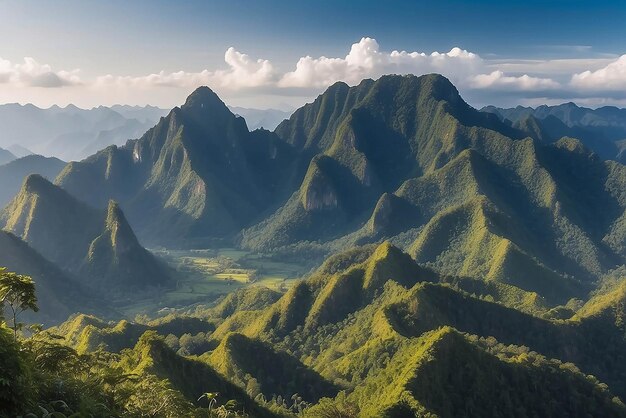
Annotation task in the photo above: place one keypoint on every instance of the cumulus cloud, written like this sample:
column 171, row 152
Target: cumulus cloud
column 610, row 77
column 366, row 60
column 481, row 80
column 31, row 73
column 242, row 72
column 497, row 79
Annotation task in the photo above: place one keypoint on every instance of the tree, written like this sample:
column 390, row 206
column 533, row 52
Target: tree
column 211, row 397
column 18, row 293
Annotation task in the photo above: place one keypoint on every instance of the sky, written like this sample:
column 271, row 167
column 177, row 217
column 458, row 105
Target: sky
column 283, row 53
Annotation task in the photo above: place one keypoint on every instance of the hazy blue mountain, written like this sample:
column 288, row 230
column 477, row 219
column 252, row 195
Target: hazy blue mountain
column 19, row 151
column 602, row 130
column 6, row 156
column 71, row 133
column 261, row 118
column 141, row 113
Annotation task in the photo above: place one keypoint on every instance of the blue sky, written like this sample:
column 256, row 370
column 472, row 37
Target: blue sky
column 140, row 52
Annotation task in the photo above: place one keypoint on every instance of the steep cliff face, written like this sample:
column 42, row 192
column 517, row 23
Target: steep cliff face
column 317, row 191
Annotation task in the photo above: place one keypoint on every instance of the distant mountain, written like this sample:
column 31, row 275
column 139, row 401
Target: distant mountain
column 602, row 130
column 79, row 144
column 19, row 151
column 6, row 156
column 261, row 118
column 72, row 133
column 59, row 294
column 100, row 247
column 12, row 174
column 198, row 174
column 143, row 114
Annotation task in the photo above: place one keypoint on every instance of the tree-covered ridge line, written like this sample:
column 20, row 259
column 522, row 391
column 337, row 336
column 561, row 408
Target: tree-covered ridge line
column 405, row 341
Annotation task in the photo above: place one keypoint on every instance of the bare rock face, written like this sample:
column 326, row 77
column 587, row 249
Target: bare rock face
column 318, row 191
column 319, row 195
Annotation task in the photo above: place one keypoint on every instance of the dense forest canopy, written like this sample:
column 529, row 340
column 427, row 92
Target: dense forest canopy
column 387, row 251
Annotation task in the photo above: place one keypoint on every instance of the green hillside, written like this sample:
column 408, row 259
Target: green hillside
column 371, row 333
column 256, row 367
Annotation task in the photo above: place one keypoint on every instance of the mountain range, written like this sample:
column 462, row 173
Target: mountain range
column 402, row 158
column 471, row 263
column 603, row 130
column 72, row 133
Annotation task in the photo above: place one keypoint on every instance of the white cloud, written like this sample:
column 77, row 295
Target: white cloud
column 366, row 60
column 256, row 82
column 242, row 72
column 610, row 77
column 497, row 79
column 31, row 73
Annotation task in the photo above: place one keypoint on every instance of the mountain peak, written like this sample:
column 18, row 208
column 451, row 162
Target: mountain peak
column 440, row 87
column 203, row 97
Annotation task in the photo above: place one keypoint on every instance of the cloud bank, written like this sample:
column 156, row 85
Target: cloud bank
column 242, row 72
column 483, row 80
column 611, row 77
column 31, row 73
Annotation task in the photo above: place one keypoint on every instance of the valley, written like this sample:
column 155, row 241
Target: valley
column 205, row 276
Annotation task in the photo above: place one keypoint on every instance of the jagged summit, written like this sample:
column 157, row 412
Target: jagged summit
column 203, row 95
column 122, row 234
